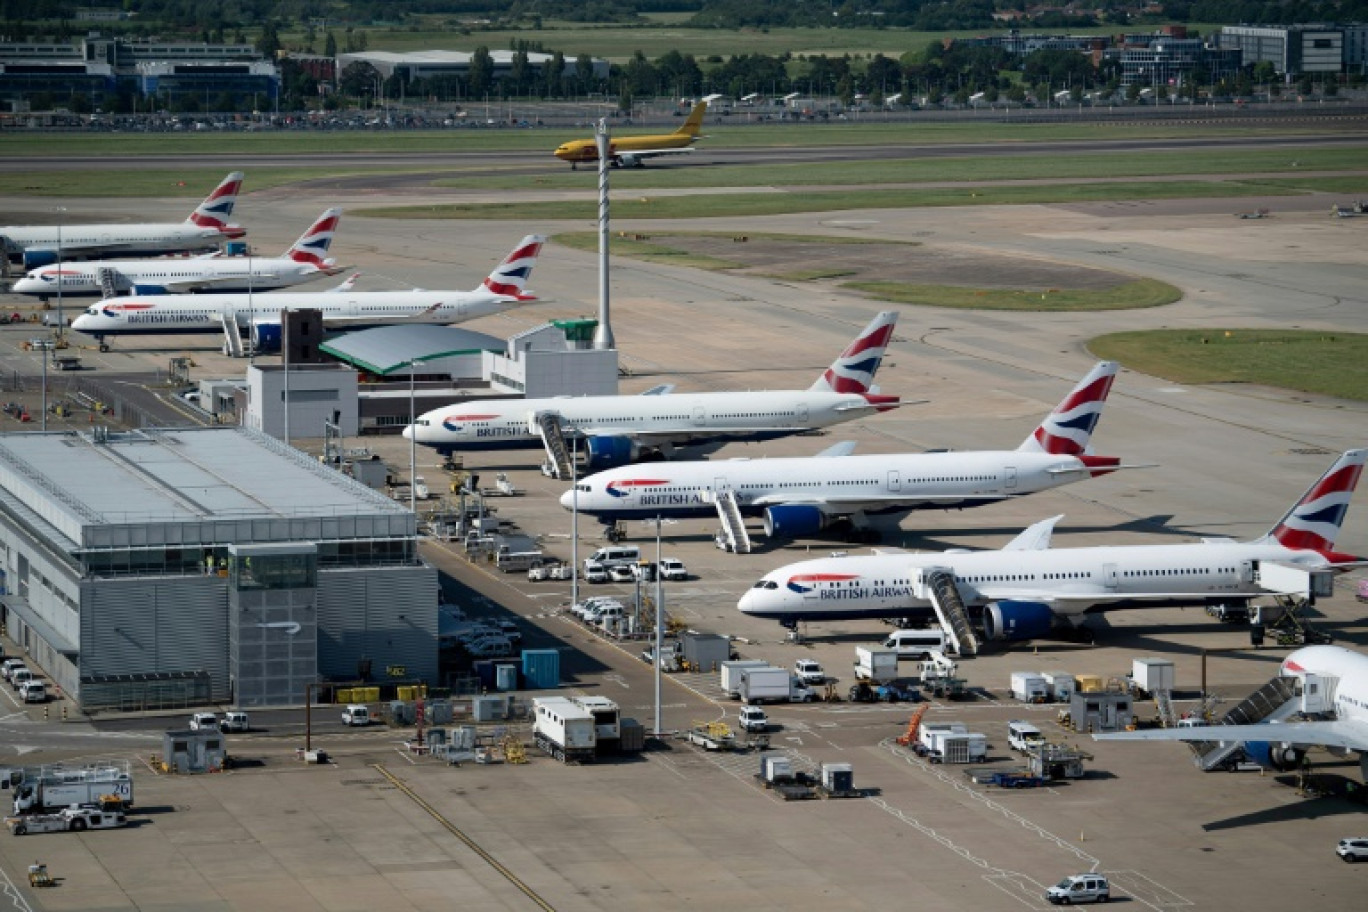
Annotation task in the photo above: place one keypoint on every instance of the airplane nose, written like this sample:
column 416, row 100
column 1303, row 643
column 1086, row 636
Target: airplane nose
column 567, row 499
column 408, row 432
column 747, row 602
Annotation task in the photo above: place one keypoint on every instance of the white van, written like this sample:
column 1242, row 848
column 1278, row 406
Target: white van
column 918, row 644
column 1079, row 888
column 33, row 692
column 614, row 555
column 1024, row 736
column 356, row 714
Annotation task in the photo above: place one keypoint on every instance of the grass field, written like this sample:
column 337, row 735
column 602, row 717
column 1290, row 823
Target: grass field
column 1140, row 293
column 731, row 205
column 654, row 250
column 1330, row 364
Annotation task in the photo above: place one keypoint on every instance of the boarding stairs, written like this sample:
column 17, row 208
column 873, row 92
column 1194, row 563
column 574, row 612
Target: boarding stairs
column 1163, row 702
column 950, row 610
column 733, row 526
column 1275, row 701
column 232, row 337
column 552, row 431
column 108, row 286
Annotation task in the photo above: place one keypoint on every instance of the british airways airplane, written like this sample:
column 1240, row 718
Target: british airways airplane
column 1330, row 679
column 621, row 429
column 303, row 261
column 804, row 495
column 342, row 308
column 205, row 228
column 1026, row 588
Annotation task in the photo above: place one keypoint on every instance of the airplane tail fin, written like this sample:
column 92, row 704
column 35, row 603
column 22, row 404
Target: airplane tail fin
column 510, row 277
column 853, row 371
column 1314, row 521
column 312, row 245
column 217, row 207
column 694, row 125
column 1067, row 430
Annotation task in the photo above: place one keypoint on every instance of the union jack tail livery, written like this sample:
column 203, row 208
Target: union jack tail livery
column 853, row 371
column 217, row 207
column 1067, row 430
column 1314, row 521
column 313, row 245
column 510, row 277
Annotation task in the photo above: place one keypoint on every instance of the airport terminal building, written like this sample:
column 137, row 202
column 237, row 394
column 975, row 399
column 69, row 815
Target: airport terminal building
column 193, row 565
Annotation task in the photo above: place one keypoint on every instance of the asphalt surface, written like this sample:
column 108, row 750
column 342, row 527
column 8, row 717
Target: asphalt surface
column 677, row 828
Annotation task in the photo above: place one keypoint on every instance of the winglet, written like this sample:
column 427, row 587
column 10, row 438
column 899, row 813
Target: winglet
column 350, row 283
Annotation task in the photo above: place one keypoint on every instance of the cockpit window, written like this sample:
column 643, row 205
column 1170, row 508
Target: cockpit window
column 766, row 584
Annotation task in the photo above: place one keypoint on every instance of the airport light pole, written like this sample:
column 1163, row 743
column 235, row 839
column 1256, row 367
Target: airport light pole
column 659, row 626
column 574, row 519
column 45, row 345
column 61, row 212
column 413, row 437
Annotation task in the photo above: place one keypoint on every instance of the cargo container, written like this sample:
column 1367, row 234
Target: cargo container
column 1150, row 675
column 1029, row 687
column 1091, row 683
column 1061, row 684
column 958, row 747
column 541, row 668
column 705, row 651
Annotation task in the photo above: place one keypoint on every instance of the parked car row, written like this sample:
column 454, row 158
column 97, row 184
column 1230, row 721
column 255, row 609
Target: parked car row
column 26, row 683
column 232, row 721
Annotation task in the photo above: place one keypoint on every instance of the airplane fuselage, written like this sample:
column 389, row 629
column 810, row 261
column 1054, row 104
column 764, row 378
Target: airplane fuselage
column 340, row 309
column 586, row 150
column 677, row 418
column 225, row 274
column 85, row 241
column 1072, row 581
column 871, row 484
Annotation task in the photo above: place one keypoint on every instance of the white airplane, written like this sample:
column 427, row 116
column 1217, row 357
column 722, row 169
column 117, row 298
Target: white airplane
column 302, row 262
column 205, row 228
column 342, row 308
column 1330, row 679
column 621, row 429
column 804, row 495
column 1026, row 588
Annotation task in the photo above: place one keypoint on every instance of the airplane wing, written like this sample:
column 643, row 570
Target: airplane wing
column 1083, row 469
column 857, row 502
column 1347, row 734
column 844, row 448
column 651, row 153
column 1035, row 537
column 206, row 282
column 663, row 389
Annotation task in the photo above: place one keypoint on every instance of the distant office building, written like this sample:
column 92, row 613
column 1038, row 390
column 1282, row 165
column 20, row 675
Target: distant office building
column 429, row 64
column 1166, row 61
column 1293, row 50
column 96, row 67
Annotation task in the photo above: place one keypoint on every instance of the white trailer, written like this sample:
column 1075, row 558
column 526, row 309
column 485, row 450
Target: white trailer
column 72, row 819
column 564, row 729
column 766, row 684
column 56, row 787
column 607, row 718
column 930, row 731
column 876, row 666
column 731, row 674
column 959, row 747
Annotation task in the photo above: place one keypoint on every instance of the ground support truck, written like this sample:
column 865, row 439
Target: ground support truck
column 712, row 736
column 563, row 729
column 772, row 685
column 874, row 669
column 48, row 788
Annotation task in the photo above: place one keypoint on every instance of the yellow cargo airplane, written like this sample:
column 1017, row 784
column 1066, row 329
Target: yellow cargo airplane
column 632, row 151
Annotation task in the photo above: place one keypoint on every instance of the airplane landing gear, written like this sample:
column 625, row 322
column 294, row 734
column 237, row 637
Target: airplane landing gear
column 614, row 533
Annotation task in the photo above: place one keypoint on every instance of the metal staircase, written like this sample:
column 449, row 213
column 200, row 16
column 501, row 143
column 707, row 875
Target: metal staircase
column 548, row 425
column 232, row 337
column 1276, row 700
column 1163, row 702
column 733, row 527
column 950, row 609
column 108, row 288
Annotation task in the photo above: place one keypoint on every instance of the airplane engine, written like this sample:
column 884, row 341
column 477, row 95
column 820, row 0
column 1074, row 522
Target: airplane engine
column 794, row 522
column 610, row 452
column 1010, row 620
column 35, row 258
column 628, row 160
column 1271, row 755
column 266, row 335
